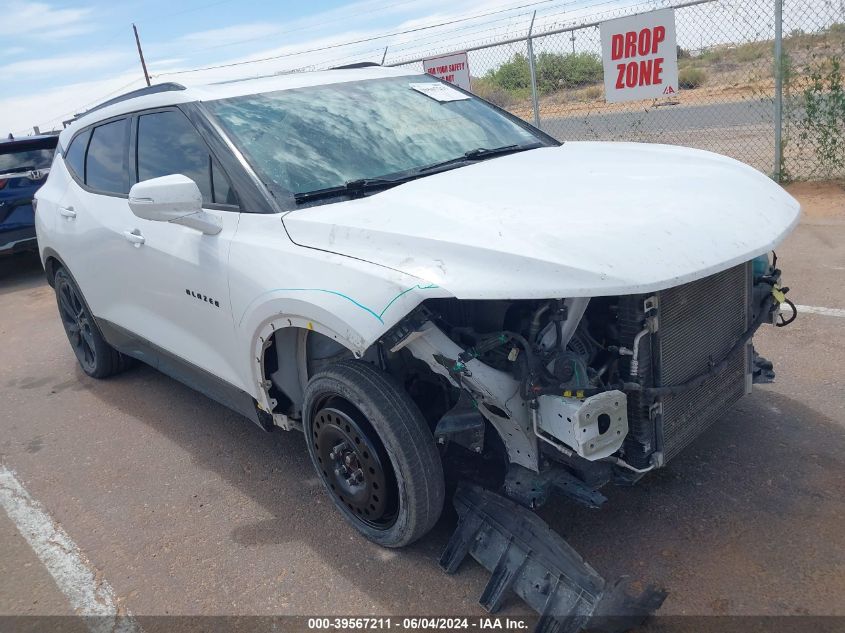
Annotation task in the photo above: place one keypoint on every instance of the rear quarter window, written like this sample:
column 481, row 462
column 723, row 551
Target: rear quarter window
column 105, row 164
column 75, row 154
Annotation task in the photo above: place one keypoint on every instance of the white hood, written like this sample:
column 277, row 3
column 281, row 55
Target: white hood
column 583, row 219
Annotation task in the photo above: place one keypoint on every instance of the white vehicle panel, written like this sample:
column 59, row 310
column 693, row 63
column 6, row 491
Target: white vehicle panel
column 580, row 220
column 275, row 284
column 179, row 279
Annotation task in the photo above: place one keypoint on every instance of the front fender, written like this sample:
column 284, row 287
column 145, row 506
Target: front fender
column 346, row 319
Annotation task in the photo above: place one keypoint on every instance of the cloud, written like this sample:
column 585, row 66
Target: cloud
column 161, row 65
column 41, row 20
column 353, row 21
column 62, row 64
column 229, row 34
column 50, row 107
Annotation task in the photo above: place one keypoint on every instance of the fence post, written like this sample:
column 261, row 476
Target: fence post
column 534, row 101
column 778, row 90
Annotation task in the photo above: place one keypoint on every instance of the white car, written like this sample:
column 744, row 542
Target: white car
column 413, row 277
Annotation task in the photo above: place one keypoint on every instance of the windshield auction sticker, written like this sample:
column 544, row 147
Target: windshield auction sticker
column 639, row 56
column 440, row 92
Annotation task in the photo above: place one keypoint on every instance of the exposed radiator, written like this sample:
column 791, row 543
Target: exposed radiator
column 698, row 324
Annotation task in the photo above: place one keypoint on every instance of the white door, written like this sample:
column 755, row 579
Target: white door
column 90, row 218
column 178, row 276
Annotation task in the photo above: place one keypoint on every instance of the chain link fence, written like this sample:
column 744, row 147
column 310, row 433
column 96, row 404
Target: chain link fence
column 730, row 100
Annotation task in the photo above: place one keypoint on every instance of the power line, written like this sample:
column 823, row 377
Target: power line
column 411, row 45
column 400, row 54
column 350, row 43
column 88, row 104
column 288, row 31
column 198, row 7
column 447, row 37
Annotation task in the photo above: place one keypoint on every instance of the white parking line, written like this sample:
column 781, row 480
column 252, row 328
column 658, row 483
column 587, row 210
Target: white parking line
column 73, row 573
column 834, row 312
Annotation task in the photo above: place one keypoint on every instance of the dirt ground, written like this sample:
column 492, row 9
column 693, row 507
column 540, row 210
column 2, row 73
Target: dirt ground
column 185, row 508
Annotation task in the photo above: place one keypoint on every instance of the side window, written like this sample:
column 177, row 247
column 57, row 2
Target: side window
column 169, row 144
column 75, row 154
column 105, row 165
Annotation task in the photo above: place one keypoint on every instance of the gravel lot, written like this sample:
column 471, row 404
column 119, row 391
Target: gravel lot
column 185, row 508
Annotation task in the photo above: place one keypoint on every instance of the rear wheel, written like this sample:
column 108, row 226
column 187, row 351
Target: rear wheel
column 374, row 453
column 97, row 358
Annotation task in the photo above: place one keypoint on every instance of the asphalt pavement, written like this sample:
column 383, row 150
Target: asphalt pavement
column 677, row 118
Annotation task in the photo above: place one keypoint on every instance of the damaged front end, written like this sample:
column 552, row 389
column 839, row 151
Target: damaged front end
column 583, row 392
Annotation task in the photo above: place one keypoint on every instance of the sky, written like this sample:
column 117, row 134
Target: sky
column 59, row 57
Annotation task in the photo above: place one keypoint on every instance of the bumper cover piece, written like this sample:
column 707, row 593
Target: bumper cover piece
column 525, row 556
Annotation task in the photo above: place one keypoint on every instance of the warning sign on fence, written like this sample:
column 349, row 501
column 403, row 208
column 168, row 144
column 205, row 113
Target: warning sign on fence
column 453, row 68
column 640, row 57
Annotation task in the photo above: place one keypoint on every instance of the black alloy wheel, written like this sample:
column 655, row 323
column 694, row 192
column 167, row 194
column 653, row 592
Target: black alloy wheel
column 97, row 358
column 77, row 323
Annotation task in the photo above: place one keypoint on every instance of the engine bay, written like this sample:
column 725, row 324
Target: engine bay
column 622, row 382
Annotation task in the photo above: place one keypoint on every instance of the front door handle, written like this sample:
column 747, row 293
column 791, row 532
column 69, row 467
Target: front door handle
column 134, row 237
column 67, row 212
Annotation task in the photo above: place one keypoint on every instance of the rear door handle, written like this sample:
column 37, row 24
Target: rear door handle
column 67, row 212
column 134, row 237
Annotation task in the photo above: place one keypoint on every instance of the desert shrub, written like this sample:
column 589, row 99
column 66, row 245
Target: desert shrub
column 512, row 75
column 683, row 53
column 690, row 78
column 487, row 89
column 821, row 120
column 591, row 92
column 555, row 71
column 711, row 56
column 752, row 51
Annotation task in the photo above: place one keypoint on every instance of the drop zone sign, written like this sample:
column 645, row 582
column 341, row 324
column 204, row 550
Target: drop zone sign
column 640, row 57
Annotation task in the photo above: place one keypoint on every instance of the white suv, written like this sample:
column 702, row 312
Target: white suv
column 413, row 277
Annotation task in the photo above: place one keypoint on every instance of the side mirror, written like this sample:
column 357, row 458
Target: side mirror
column 174, row 198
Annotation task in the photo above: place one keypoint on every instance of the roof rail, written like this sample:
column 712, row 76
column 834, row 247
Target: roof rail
column 355, row 65
column 140, row 92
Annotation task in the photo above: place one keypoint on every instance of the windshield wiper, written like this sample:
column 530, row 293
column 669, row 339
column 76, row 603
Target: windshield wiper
column 352, row 188
column 479, row 153
column 357, row 188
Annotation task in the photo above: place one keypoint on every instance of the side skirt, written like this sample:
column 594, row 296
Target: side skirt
column 185, row 372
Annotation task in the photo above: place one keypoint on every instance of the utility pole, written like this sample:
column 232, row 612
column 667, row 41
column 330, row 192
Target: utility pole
column 532, row 69
column 141, row 54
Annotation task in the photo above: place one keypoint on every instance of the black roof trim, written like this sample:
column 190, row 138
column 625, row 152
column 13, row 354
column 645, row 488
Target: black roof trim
column 355, row 65
column 148, row 90
column 23, row 143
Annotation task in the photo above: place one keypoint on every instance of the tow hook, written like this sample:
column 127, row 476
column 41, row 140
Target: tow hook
column 526, row 557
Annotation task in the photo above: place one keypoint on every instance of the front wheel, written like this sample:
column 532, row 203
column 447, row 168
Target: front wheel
column 374, row 453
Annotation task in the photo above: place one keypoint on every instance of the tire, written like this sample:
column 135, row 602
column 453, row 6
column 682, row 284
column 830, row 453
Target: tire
column 97, row 358
column 370, row 428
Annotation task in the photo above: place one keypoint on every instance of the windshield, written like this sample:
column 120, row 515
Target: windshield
column 25, row 160
column 307, row 139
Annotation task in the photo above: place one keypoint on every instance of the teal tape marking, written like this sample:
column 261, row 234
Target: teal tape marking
column 377, row 315
column 394, row 299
